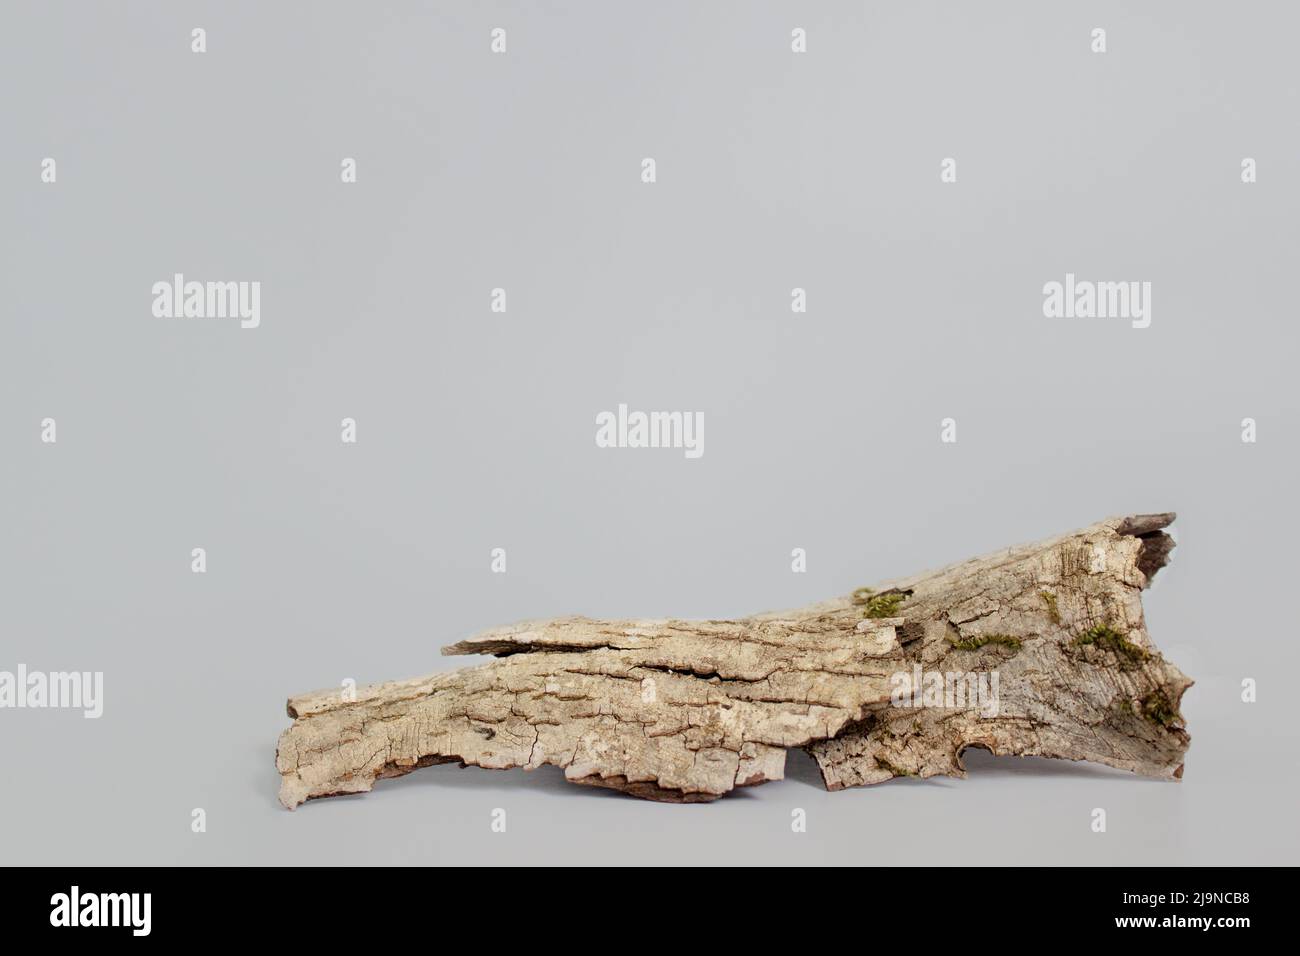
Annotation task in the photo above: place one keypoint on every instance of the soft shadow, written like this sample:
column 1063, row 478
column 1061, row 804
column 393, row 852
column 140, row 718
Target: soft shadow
column 800, row 769
column 981, row 762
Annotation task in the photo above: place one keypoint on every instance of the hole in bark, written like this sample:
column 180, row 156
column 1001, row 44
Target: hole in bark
column 801, row 766
column 961, row 752
column 1156, row 545
column 910, row 631
column 1154, row 553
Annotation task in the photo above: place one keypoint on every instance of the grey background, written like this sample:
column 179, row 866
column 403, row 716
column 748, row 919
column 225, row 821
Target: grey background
column 328, row 561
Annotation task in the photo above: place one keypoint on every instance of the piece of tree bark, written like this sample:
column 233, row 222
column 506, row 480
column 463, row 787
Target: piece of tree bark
column 1037, row 650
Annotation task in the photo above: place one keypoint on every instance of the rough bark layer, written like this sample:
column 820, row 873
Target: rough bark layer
column 874, row 685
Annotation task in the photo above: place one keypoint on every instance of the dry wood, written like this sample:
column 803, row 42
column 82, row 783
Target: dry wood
column 687, row 710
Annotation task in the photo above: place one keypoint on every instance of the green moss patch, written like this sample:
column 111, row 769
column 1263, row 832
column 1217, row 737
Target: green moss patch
column 1053, row 611
column 1157, row 708
column 879, row 605
column 979, row 640
column 1105, row 636
column 896, row 771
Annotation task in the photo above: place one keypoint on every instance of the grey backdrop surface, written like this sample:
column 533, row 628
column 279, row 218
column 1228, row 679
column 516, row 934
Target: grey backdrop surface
column 775, row 170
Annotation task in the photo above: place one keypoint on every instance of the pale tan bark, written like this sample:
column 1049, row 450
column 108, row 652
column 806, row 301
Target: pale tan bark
column 688, row 710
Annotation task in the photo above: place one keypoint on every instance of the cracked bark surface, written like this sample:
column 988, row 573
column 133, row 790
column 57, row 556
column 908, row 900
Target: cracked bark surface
column 686, row 711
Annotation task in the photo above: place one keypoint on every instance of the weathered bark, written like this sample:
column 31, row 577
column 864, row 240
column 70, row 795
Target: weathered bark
column 687, row 710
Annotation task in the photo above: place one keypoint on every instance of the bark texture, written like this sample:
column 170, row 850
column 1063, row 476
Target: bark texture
column 686, row 711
